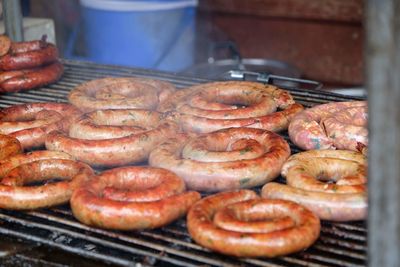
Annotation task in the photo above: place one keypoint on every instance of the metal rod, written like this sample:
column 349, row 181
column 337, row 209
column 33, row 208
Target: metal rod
column 383, row 83
column 13, row 19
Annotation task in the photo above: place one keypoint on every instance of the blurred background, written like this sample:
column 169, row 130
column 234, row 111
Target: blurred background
column 314, row 39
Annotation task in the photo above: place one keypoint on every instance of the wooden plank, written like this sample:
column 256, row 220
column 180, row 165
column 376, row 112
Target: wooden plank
column 383, row 83
column 335, row 10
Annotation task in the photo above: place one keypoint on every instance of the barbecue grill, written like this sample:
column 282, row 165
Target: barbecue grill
column 340, row 244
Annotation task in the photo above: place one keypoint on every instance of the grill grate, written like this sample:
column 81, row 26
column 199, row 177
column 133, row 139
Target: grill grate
column 340, row 244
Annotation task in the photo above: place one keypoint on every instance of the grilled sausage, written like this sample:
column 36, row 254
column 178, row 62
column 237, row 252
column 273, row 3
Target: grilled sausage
column 227, row 174
column 343, row 200
column 29, row 59
column 14, row 195
column 110, row 152
column 243, row 234
column 120, row 93
column 30, row 78
column 305, row 129
column 30, row 123
column 5, row 44
column 209, row 107
column 9, row 146
column 132, row 198
column 347, row 128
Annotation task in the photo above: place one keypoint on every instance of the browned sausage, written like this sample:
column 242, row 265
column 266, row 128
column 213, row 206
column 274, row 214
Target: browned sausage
column 120, row 93
column 30, row 123
column 297, row 228
column 209, row 107
column 14, row 195
column 244, row 169
column 129, row 149
column 9, row 146
column 343, row 198
column 33, row 78
column 21, row 47
column 29, row 59
column 139, row 198
column 5, row 44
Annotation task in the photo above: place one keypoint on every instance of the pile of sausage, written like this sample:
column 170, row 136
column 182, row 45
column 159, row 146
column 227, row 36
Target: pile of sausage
column 28, row 65
column 156, row 147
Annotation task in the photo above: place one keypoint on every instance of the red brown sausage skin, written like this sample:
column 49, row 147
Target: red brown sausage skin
column 132, row 198
column 14, row 195
column 296, row 227
column 9, row 146
column 17, row 170
column 30, row 123
column 216, row 166
column 109, row 151
column 306, row 130
column 120, row 93
column 29, row 59
column 213, row 106
column 5, row 45
column 344, row 198
column 33, row 78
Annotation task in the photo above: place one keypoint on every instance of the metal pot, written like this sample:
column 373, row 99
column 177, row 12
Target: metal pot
column 220, row 68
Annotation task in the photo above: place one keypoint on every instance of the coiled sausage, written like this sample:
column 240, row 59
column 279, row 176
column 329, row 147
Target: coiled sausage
column 14, row 81
column 37, row 166
column 307, row 131
column 342, row 198
column 132, row 198
column 120, row 93
column 104, row 150
column 238, row 168
column 30, row 123
column 212, row 106
column 233, row 223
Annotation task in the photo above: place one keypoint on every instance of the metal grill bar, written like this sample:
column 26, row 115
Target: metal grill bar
column 340, row 244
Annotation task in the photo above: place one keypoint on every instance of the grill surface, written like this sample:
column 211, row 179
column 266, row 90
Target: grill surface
column 340, row 244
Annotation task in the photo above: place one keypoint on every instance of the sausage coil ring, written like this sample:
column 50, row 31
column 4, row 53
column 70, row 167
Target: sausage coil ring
column 104, row 137
column 343, row 198
column 132, row 198
column 35, row 167
column 25, row 79
column 9, row 146
column 340, row 125
column 241, row 224
column 209, row 107
column 30, row 123
column 120, row 93
column 224, row 160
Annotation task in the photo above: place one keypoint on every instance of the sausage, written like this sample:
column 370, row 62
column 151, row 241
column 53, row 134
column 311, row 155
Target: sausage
column 343, row 200
column 292, row 229
column 14, row 195
column 29, row 59
column 32, row 78
column 139, row 198
column 305, row 130
column 209, row 107
column 332, row 207
column 30, row 123
column 5, row 44
column 203, row 175
column 113, row 152
column 22, row 47
column 347, row 128
column 11, row 162
column 114, row 123
column 120, row 93
column 9, row 146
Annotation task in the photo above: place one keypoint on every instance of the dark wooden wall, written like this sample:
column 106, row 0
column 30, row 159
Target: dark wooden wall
column 323, row 38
